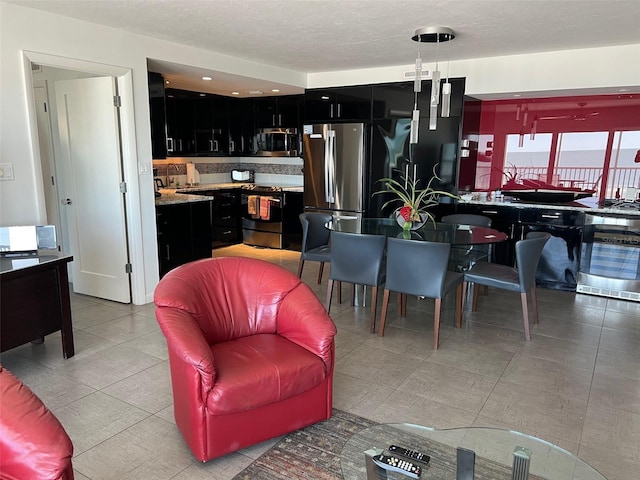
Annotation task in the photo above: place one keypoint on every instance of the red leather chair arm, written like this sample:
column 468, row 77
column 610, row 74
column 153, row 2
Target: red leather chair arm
column 303, row 320
column 33, row 443
column 186, row 340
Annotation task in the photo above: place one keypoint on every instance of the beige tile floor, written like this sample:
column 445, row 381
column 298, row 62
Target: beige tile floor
column 576, row 384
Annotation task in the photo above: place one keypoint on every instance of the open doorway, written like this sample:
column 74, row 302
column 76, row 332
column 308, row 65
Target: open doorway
column 83, row 174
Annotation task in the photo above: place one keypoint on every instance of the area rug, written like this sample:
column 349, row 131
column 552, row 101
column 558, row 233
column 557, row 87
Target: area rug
column 311, row 453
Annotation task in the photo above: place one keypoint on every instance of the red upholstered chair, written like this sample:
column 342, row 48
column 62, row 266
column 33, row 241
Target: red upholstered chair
column 251, row 351
column 33, row 443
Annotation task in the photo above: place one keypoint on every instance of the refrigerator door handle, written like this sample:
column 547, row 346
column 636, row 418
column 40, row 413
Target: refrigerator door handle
column 331, row 164
column 327, row 147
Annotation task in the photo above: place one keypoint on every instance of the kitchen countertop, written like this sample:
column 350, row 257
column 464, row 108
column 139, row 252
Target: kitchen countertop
column 170, row 196
column 564, row 206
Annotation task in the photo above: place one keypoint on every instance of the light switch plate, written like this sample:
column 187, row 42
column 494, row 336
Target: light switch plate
column 6, row 171
column 144, row 168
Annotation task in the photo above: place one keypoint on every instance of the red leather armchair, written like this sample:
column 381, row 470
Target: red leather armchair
column 251, row 351
column 33, row 443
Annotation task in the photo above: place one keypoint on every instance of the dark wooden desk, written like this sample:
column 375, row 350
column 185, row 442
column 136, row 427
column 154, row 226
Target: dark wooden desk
column 34, row 300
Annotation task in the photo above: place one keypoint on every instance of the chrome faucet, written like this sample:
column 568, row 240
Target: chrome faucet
column 177, row 168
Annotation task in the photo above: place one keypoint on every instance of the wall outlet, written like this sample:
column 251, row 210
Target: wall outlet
column 6, row 171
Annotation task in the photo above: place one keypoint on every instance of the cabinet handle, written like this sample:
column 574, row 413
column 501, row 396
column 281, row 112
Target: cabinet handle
column 490, row 211
column 180, row 144
column 331, row 111
column 339, row 110
column 226, row 218
column 169, row 144
column 279, row 119
column 215, row 145
column 273, row 120
column 232, row 146
column 211, row 145
column 168, row 253
column 228, row 232
column 549, row 216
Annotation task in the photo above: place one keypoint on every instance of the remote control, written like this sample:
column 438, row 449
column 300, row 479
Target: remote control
column 397, row 465
column 410, row 454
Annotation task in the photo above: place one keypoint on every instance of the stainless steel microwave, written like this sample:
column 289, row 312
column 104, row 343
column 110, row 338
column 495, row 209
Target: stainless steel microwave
column 277, row 142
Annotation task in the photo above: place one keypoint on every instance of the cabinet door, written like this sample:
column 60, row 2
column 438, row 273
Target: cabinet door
column 180, row 123
column 158, row 116
column 173, row 223
column 211, row 125
column 338, row 104
column 266, row 110
column 200, row 230
column 241, row 126
column 393, row 100
column 288, row 115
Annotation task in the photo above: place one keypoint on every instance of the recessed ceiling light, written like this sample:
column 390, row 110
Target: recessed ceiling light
column 207, row 78
column 167, row 82
column 517, row 95
column 275, row 90
column 235, row 93
column 254, row 92
column 623, row 89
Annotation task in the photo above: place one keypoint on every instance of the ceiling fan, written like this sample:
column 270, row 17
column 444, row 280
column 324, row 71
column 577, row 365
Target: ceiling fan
column 579, row 117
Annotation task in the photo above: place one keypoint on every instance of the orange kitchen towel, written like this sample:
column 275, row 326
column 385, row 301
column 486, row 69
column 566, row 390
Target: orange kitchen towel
column 265, row 208
column 252, row 205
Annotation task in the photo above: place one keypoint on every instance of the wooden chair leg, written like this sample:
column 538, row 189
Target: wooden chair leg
column 300, row 267
column 459, row 306
column 525, row 316
column 374, row 309
column 474, row 301
column 329, row 293
column 353, row 294
column 403, row 302
column 320, row 272
column 339, row 293
column 399, row 300
column 436, row 323
column 383, row 314
column 534, row 302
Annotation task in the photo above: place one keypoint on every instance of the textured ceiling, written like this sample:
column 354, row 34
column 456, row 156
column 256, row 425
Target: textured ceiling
column 327, row 35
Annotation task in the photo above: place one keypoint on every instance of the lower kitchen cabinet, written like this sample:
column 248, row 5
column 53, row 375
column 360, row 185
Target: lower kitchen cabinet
column 184, row 233
column 225, row 218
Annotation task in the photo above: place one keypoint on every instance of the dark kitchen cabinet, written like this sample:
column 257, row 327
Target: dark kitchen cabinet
column 181, row 140
column 184, row 233
column 241, row 126
column 393, row 100
column 211, row 125
column 560, row 260
column 158, row 115
column 340, row 104
column 278, row 112
column 226, row 218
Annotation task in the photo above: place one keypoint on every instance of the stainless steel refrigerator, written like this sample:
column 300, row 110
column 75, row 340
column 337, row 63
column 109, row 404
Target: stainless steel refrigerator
column 334, row 168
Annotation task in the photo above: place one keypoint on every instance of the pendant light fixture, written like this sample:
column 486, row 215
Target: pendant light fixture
column 435, row 35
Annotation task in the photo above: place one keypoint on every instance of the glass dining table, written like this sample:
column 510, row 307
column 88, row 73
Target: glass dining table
column 455, row 234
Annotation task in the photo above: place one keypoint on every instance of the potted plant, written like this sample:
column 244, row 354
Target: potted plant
column 414, row 202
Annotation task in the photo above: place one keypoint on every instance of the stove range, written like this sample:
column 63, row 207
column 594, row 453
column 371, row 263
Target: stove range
column 261, row 188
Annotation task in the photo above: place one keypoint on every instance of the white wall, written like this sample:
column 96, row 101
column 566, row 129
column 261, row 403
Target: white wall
column 586, row 70
column 23, row 29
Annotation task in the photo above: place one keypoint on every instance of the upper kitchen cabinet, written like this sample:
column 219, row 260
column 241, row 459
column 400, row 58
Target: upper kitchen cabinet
column 241, row 126
column 211, row 125
column 278, row 112
column 393, row 100
column 181, row 140
column 158, row 115
column 341, row 104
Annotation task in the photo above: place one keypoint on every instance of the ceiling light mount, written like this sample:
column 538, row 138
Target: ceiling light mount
column 433, row 35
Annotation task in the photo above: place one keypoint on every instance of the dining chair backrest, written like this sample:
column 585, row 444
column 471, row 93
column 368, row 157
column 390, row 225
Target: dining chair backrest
column 314, row 232
column 357, row 258
column 528, row 252
column 417, row 267
column 467, row 219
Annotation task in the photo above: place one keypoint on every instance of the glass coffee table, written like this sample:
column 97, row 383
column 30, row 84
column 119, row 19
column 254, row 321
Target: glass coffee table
column 493, row 449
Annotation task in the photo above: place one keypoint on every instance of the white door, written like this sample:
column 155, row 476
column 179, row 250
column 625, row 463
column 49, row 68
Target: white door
column 91, row 195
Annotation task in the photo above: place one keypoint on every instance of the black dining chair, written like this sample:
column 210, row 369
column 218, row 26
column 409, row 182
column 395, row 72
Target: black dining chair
column 315, row 240
column 357, row 259
column 420, row 268
column 520, row 279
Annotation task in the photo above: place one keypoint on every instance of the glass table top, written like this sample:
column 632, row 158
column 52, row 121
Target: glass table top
column 493, row 447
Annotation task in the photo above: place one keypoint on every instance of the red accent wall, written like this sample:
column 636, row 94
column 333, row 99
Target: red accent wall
column 498, row 118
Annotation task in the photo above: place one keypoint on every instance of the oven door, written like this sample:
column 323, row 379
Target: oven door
column 610, row 257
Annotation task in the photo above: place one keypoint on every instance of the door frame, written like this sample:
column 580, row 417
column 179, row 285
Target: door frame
column 124, row 80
